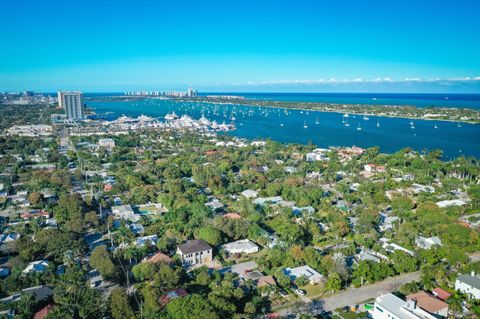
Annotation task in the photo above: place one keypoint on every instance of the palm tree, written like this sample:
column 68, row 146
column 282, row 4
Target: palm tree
column 455, row 305
column 426, row 279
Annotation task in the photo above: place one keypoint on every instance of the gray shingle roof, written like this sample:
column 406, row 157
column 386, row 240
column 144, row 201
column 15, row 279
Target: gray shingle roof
column 473, row 281
column 193, row 246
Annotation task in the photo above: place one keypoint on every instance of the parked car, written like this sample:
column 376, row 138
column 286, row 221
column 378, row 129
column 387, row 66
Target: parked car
column 283, row 293
column 300, row 292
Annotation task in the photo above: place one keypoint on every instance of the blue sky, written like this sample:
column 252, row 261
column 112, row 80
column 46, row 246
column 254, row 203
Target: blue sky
column 322, row 45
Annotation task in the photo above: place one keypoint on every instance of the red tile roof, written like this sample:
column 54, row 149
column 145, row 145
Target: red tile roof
column 172, row 294
column 158, row 257
column 42, row 313
column 427, row 302
column 441, row 293
column 232, row 216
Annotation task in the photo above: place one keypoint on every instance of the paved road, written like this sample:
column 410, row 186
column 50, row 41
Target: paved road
column 474, row 256
column 357, row 295
column 352, row 296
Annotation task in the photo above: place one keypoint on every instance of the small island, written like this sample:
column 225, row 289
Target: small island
column 466, row 115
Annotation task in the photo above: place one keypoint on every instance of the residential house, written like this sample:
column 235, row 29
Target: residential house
column 136, row 228
column 468, row 284
column 427, row 242
column 389, row 306
column 418, row 188
column 171, row 295
column 232, row 216
column 214, row 204
column 452, row 202
column 261, row 201
column 4, row 272
column 260, row 279
column 290, row 169
column 244, row 246
column 8, row 237
column 391, row 247
column 306, row 271
column 247, row 271
column 430, row 304
column 106, row 142
column 472, row 220
column 250, row 193
column 372, row 168
column 353, row 221
column 43, row 313
column 387, row 222
column 34, row 214
column 40, row 293
column 441, row 293
column 241, row 268
column 349, row 153
column 150, row 240
column 125, row 212
column 318, row 154
column 364, row 255
column 299, row 211
column 36, row 266
column 195, row 252
column 157, row 258
column 273, row 240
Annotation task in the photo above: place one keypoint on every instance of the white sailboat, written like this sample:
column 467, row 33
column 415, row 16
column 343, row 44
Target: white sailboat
column 305, row 124
column 359, row 128
column 317, row 121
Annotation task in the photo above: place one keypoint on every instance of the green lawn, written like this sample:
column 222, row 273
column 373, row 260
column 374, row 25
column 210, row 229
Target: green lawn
column 353, row 315
column 313, row 290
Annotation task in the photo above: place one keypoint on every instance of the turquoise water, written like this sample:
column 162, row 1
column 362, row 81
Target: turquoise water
column 391, row 135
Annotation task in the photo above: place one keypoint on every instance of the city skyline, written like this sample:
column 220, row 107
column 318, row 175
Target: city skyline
column 242, row 47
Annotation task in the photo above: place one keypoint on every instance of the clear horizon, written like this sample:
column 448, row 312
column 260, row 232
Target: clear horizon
column 227, row 46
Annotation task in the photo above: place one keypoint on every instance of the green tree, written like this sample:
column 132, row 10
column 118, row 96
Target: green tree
column 282, row 279
column 403, row 262
column 334, row 282
column 102, row 261
column 210, row 234
column 74, row 299
column 91, row 219
column 120, row 305
column 70, row 212
column 191, row 307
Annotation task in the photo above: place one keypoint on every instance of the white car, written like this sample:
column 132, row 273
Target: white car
column 300, row 292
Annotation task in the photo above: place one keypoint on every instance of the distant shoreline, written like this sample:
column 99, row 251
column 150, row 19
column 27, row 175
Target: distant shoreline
column 445, row 114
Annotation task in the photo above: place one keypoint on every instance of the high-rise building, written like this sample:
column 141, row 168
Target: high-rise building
column 192, row 93
column 72, row 102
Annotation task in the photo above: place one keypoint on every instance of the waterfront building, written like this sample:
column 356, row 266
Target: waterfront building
column 192, row 93
column 71, row 101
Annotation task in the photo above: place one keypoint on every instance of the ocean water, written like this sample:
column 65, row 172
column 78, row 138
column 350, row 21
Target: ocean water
column 390, row 134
